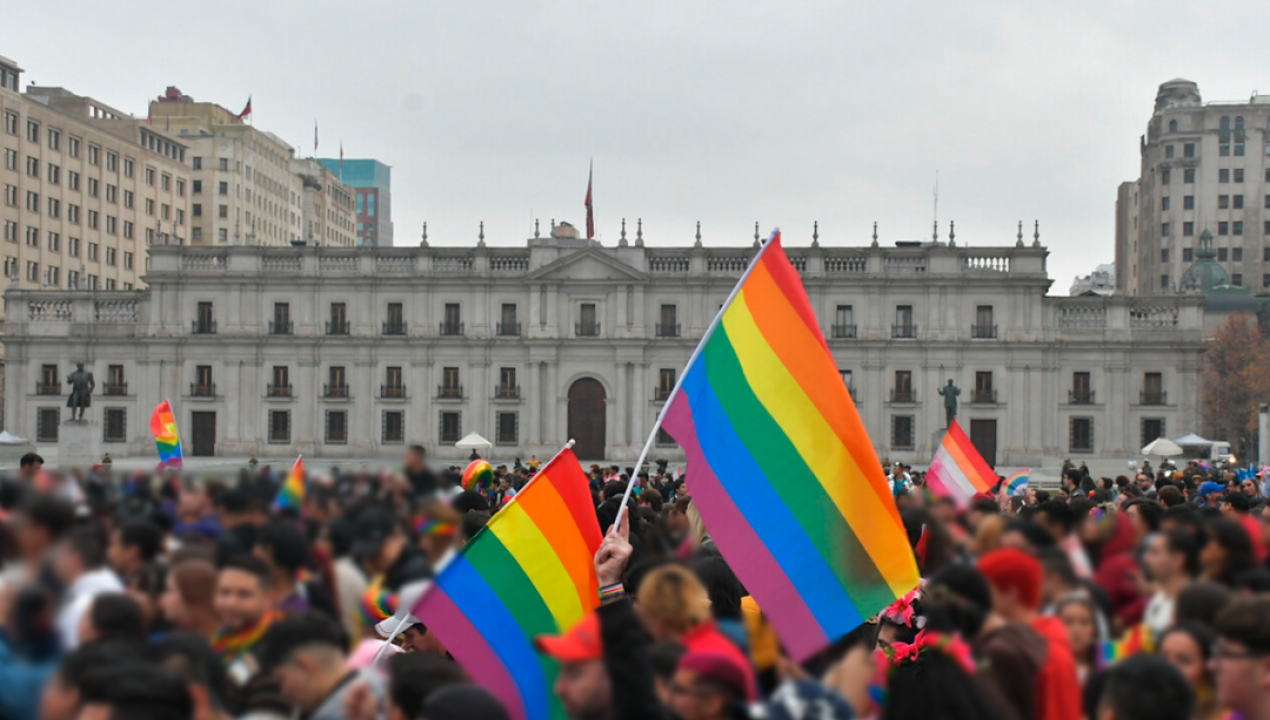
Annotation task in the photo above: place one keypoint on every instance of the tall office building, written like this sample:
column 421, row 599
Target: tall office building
column 372, row 181
column 1205, row 166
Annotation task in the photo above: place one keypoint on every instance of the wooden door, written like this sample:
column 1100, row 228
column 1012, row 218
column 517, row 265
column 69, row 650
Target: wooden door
column 586, row 418
column 203, row 437
column 983, row 434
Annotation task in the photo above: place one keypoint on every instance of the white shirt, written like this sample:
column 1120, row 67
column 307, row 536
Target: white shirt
column 1159, row 613
column 79, row 597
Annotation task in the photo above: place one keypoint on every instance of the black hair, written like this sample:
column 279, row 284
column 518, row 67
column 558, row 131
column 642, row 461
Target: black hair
column 472, row 523
column 304, row 629
column 139, row 691
column 340, row 532
column 1234, row 539
column 1243, row 621
column 1201, row 602
column 1147, row 687
column 665, row 656
column 192, row 658
column 1055, row 561
column 1180, row 542
column 987, row 506
column 469, row 500
column 1184, row 515
column 1149, row 511
column 250, row 564
column 1239, row 502
column 1201, row 633
column 941, row 549
column 935, row 686
column 89, row 545
column 1036, row 535
column 284, row 542
column 414, row 677
column 78, row 666
column 957, row 599
column 234, row 501
column 418, row 450
column 30, row 459
column 143, row 535
column 1060, row 513
column 1255, row 581
column 116, row 617
column 54, row 514
column 722, row 585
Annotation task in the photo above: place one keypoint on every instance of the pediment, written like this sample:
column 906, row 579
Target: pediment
column 588, row 265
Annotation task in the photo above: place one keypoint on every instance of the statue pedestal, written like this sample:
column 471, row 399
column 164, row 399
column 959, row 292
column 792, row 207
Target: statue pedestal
column 78, row 444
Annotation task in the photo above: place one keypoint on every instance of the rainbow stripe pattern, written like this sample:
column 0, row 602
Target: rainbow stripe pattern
column 478, row 475
column 163, row 425
column 528, row 572
column 1137, row 639
column 291, row 496
column 781, row 468
column 1016, row 483
column 958, row 471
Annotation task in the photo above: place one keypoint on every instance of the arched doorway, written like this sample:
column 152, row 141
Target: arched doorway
column 586, row 418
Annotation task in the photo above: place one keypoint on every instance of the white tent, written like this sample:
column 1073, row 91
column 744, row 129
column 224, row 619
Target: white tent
column 473, row 441
column 8, row 438
column 1193, row 440
column 1163, row 447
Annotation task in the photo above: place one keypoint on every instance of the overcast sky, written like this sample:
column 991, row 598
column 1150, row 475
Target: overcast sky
column 724, row 112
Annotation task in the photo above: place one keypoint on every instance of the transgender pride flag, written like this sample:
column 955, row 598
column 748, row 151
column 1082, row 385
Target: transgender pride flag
column 958, row 470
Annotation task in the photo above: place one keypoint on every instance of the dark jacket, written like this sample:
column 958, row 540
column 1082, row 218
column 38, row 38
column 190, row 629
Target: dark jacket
column 626, row 654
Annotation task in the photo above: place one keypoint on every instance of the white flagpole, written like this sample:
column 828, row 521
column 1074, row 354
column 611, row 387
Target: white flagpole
column 648, row 445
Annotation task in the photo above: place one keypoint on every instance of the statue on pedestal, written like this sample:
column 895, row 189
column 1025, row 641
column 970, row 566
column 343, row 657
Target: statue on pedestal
column 82, row 385
column 950, row 393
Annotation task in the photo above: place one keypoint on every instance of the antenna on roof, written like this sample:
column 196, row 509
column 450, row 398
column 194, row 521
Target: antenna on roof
column 935, row 233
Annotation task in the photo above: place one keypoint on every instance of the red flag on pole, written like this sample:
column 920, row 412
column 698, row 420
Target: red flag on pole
column 149, row 117
column 315, row 137
column 590, row 214
column 167, row 123
column 246, row 110
column 341, row 154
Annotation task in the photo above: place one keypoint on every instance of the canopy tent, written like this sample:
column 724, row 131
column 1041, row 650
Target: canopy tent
column 1193, row 440
column 8, row 438
column 473, row 441
column 1163, row 447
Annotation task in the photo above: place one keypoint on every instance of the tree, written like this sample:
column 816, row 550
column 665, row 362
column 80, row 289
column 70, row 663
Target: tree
column 1236, row 381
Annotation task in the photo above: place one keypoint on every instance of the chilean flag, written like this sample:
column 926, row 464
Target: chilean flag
column 247, row 110
column 590, row 214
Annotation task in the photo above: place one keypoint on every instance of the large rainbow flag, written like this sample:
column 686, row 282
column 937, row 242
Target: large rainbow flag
column 529, row 571
column 291, row 495
column 958, row 471
column 163, row 425
column 781, row 467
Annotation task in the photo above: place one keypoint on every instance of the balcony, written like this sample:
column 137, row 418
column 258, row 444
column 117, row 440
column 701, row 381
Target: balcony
column 591, row 329
column 451, row 328
column 202, row 389
column 508, row 329
column 204, row 327
column 336, row 327
column 338, row 392
column 1080, row 397
column 284, row 327
column 506, row 392
column 44, row 388
column 1154, row 397
column 842, row 332
column 665, row 331
column 392, row 392
column 450, row 392
column 116, row 389
column 661, row 394
column 395, row 327
column 903, row 395
column 983, row 397
column 905, row 332
column 983, row 332
column 278, row 390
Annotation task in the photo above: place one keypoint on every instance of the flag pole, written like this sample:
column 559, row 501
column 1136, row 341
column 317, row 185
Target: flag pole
column 648, row 445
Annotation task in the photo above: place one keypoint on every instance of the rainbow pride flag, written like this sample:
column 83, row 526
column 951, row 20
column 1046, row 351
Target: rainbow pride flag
column 1137, row 639
column 781, row 467
column 291, row 495
column 1016, row 483
column 529, row 571
column 958, row 470
column 163, row 425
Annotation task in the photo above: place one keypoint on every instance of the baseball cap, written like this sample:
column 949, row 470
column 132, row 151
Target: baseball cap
column 580, row 644
column 717, row 667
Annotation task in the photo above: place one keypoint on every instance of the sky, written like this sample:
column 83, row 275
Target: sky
column 723, row 113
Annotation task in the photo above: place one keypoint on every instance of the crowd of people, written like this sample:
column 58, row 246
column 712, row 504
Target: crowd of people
column 168, row 596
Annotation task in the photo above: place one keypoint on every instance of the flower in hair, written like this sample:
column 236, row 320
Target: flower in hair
column 904, row 611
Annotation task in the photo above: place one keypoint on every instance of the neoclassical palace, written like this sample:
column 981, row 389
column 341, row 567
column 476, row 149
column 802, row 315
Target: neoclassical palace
column 354, row 352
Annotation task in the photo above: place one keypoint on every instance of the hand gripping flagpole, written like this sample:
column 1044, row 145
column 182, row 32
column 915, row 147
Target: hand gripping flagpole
column 648, row 445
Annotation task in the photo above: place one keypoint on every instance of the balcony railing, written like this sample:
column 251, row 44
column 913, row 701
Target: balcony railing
column 392, row 392
column 278, row 390
column 451, row 328
column 203, row 389
column 204, row 327
column 284, row 327
column 1154, row 397
column 907, row 332
column 336, row 327
column 668, row 331
column 450, row 391
column 983, row 397
column 395, row 327
column 586, row 329
column 903, row 395
column 1080, row 397
column 508, row 329
column 43, row 388
column 983, row 332
column 507, row 392
column 114, row 389
column 335, row 391
column 843, row 331
column 661, row 393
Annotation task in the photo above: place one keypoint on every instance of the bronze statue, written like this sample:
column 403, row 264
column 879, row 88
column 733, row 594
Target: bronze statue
column 950, row 393
column 82, row 385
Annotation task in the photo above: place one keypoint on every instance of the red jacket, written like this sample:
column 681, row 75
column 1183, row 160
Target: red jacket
column 1058, row 693
column 1116, row 571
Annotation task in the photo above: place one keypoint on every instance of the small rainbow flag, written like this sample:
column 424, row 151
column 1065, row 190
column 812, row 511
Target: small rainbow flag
column 163, row 425
column 1204, row 465
column 291, row 496
column 958, row 470
column 530, row 571
column 1137, row 639
column 781, row 467
column 1016, row 483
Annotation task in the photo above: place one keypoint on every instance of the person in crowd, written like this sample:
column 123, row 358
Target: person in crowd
column 113, row 617
column 39, row 523
column 137, row 691
column 189, row 598
column 1145, row 687
column 63, row 695
column 709, row 685
column 146, row 587
column 196, row 514
column 190, row 658
column 1171, row 559
column 1241, row 658
column 306, row 655
column 1227, row 551
column 1189, row 647
column 1080, row 617
column 462, row 702
column 284, row 549
column 422, row 482
column 133, row 545
column 1059, row 520
column 81, row 568
column 30, row 650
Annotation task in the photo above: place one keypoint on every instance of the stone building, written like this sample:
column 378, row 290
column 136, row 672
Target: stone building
column 335, row 352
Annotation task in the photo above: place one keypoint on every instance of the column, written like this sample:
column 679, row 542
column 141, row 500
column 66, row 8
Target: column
column 621, row 404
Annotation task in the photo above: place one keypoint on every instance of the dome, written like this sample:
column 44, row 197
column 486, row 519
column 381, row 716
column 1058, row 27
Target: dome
column 1205, row 273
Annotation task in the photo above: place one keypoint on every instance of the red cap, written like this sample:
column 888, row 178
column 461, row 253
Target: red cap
column 580, row 644
column 719, row 668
